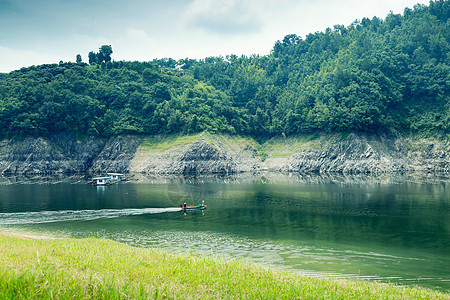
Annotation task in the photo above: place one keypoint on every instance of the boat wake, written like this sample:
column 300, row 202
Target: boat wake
column 76, row 215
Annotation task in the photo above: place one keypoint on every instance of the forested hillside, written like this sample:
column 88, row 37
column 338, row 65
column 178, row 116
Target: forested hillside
column 375, row 75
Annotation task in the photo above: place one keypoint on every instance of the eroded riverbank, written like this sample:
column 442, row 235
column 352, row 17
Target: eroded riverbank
column 220, row 154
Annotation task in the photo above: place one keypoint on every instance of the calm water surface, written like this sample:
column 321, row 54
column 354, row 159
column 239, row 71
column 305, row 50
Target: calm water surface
column 391, row 229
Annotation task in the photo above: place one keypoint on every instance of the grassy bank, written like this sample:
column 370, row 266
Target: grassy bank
column 160, row 144
column 103, row 269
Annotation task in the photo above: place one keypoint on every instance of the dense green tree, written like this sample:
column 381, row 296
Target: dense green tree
column 104, row 55
column 92, row 56
column 105, row 52
column 374, row 75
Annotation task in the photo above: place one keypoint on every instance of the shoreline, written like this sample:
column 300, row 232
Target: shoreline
column 269, row 176
column 16, row 236
column 26, row 236
column 112, row 269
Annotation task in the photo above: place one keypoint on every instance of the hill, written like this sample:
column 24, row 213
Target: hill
column 373, row 76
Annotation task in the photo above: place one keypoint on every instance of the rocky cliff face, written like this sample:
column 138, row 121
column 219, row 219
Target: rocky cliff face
column 63, row 153
column 351, row 154
column 116, row 155
column 200, row 157
column 362, row 154
column 59, row 154
column 354, row 154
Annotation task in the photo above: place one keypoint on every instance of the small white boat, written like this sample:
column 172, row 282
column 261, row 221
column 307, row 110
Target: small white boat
column 102, row 181
column 108, row 180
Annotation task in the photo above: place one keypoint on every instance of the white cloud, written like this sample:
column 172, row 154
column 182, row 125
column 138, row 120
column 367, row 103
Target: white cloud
column 134, row 44
column 302, row 17
column 13, row 59
column 223, row 16
column 138, row 35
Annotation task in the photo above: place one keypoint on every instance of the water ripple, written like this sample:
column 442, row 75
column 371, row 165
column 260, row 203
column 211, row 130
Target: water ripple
column 76, row 215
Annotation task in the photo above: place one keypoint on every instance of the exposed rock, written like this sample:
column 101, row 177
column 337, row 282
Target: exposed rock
column 116, row 155
column 362, row 154
column 204, row 158
column 199, row 158
column 31, row 155
column 352, row 154
column 81, row 152
column 58, row 154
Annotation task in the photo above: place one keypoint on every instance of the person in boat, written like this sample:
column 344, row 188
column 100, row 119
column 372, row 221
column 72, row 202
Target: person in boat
column 184, row 205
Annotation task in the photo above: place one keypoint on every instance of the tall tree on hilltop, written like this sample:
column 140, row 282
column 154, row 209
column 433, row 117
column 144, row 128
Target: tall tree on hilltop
column 92, row 57
column 104, row 55
column 105, row 52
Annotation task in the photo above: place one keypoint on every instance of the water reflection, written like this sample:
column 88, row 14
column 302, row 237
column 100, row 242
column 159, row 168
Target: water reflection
column 257, row 177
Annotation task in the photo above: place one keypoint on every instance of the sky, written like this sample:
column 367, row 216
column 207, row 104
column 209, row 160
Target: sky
column 34, row 32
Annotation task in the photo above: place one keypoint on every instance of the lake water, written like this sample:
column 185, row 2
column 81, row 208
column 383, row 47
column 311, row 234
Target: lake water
column 391, row 229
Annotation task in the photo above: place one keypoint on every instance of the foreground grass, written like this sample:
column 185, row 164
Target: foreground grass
column 103, row 269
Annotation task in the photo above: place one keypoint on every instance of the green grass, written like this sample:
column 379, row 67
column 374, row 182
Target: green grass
column 103, row 269
column 174, row 142
column 280, row 147
column 261, row 153
column 164, row 143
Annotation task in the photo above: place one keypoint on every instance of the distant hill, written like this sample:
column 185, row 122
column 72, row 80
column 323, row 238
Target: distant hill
column 374, row 75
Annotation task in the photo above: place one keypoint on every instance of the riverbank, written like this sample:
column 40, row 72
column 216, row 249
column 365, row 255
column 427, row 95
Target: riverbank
column 206, row 153
column 97, row 268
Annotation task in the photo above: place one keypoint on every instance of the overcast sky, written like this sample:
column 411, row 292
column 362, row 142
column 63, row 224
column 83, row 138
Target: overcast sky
column 34, row 32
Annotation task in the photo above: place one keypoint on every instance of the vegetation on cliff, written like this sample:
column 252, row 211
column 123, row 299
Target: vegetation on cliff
column 103, row 269
column 375, row 75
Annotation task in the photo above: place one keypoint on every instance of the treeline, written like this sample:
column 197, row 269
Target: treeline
column 109, row 99
column 374, row 75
